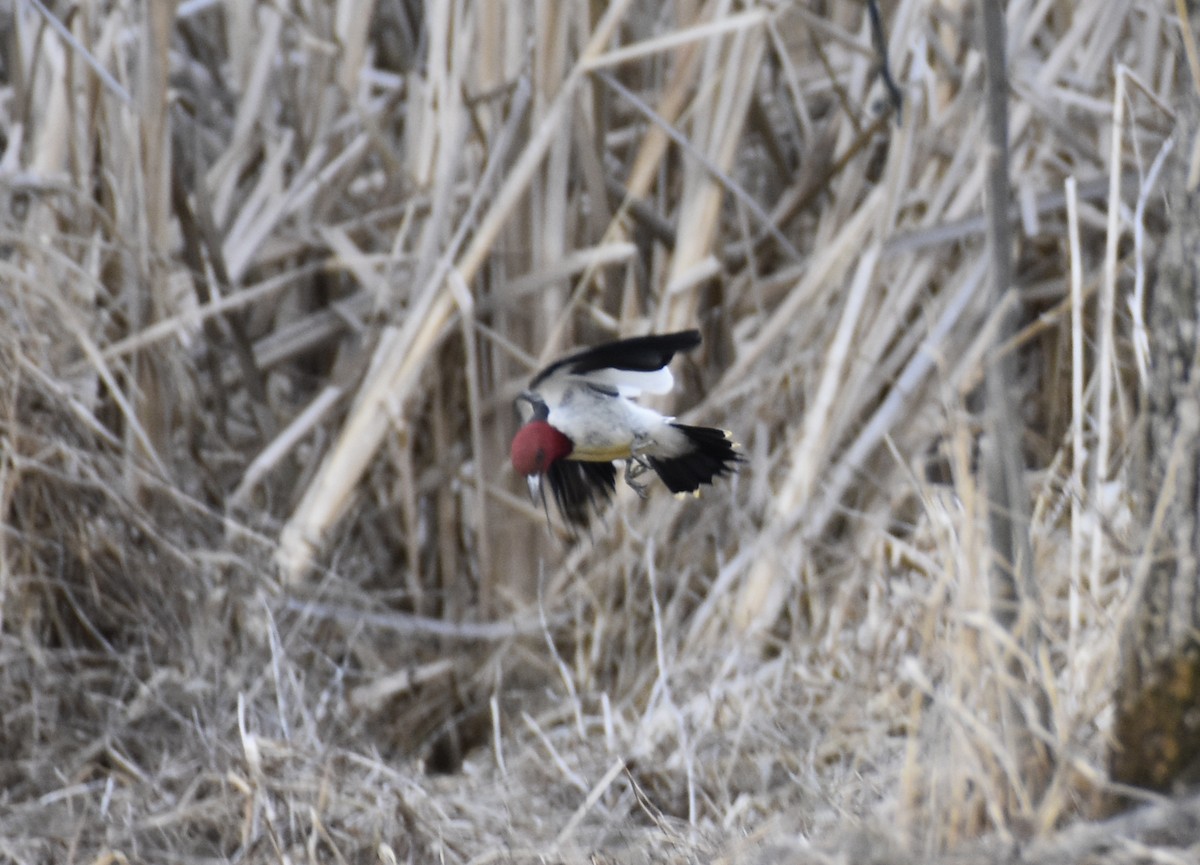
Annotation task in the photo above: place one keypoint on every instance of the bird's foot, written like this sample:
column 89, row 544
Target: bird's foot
column 635, row 467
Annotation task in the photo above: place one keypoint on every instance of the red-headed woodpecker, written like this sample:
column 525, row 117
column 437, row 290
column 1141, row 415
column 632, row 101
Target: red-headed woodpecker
column 580, row 416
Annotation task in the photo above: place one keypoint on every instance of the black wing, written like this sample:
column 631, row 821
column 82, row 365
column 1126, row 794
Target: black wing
column 640, row 354
column 580, row 487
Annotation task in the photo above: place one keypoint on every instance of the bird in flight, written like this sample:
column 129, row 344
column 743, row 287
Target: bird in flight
column 580, row 416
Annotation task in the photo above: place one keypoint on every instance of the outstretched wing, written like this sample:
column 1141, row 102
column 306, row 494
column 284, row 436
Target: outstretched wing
column 628, row 366
column 580, row 488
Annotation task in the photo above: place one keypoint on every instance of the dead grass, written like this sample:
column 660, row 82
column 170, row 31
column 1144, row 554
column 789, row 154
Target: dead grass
column 271, row 275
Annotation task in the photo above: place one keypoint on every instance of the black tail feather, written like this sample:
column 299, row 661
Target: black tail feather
column 712, row 455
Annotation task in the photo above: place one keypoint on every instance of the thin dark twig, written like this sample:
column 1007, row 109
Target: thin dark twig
column 885, row 71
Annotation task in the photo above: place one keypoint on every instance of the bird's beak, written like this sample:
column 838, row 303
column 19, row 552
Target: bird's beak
column 530, row 406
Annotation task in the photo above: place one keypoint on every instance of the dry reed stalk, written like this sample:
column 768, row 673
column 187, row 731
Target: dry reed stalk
column 401, row 354
column 1078, row 586
column 717, row 130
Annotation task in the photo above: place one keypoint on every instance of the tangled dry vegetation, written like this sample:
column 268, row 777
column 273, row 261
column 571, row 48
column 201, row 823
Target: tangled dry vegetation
column 271, row 274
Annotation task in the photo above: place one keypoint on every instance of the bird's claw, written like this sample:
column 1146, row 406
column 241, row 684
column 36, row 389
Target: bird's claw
column 635, row 467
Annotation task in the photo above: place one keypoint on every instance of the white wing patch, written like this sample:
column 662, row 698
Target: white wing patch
column 631, row 383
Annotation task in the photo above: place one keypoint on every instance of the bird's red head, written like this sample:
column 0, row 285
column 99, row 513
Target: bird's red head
column 537, row 446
